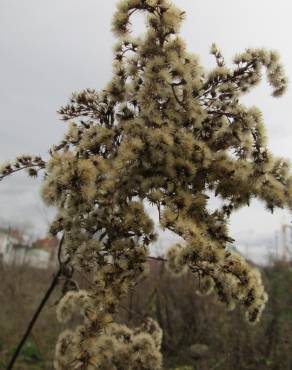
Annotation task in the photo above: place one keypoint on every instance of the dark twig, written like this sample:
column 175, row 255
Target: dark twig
column 60, row 250
column 38, row 311
column 20, row 169
column 34, row 318
column 181, row 103
column 157, row 259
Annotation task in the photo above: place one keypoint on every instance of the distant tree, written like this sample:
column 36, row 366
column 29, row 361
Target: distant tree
column 164, row 131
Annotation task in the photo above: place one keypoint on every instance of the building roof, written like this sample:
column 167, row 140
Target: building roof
column 46, row 243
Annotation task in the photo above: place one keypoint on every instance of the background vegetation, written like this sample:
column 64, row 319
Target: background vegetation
column 198, row 332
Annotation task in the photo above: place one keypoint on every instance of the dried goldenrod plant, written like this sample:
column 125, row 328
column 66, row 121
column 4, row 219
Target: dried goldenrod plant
column 165, row 131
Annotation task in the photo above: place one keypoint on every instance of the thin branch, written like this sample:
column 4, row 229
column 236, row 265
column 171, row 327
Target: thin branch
column 238, row 72
column 60, row 250
column 39, row 309
column 34, row 319
column 161, row 259
column 20, row 169
column 223, row 113
column 102, row 235
column 176, row 97
column 236, row 116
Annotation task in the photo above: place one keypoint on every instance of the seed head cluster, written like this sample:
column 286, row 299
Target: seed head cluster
column 164, row 131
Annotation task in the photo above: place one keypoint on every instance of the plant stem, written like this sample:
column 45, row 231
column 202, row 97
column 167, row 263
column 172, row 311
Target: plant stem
column 38, row 311
column 34, row 318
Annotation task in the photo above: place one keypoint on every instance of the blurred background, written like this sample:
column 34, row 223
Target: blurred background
column 50, row 49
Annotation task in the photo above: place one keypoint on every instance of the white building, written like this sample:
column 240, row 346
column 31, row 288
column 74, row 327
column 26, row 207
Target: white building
column 13, row 250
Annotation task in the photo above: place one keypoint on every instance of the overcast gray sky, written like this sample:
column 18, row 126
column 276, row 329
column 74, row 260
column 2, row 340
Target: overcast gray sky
column 50, row 48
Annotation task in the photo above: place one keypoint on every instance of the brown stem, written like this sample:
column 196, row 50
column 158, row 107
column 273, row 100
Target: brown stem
column 60, row 251
column 20, row 169
column 34, row 318
column 157, row 259
column 38, row 311
column 176, row 97
column 239, row 72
